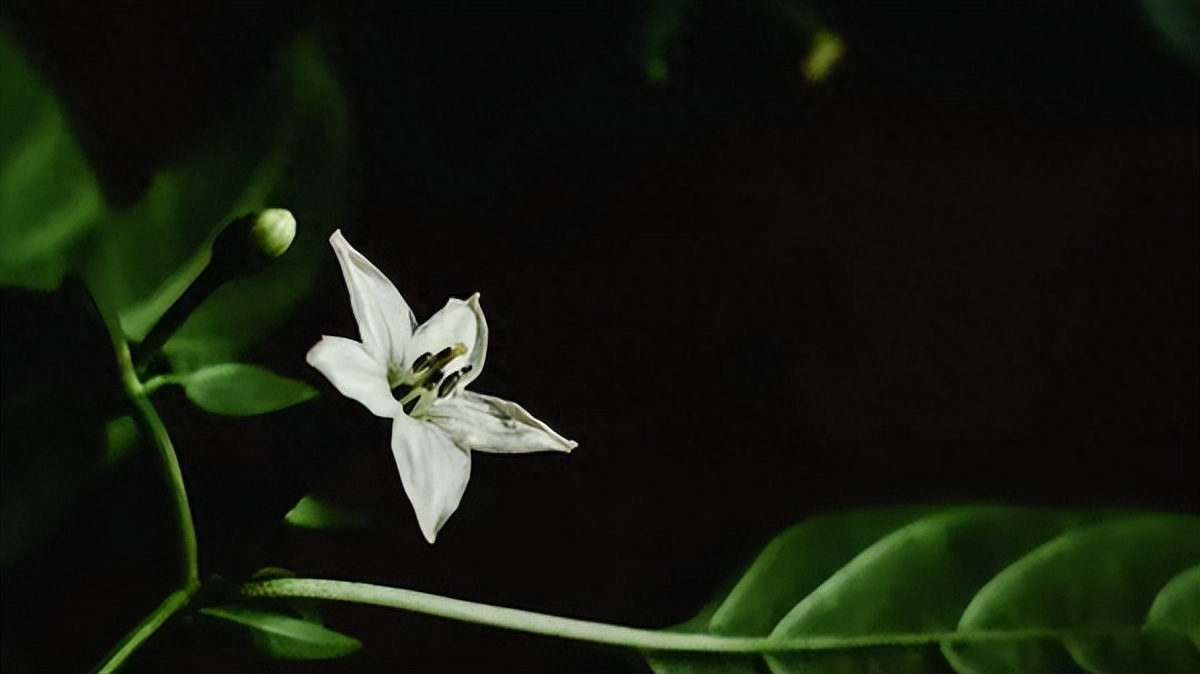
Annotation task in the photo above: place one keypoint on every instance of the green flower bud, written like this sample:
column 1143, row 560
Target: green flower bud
column 274, row 231
column 252, row 242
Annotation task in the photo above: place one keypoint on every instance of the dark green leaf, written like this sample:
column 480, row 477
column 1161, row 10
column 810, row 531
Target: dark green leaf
column 238, row 389
column 997, row 588
column 284, row 637
column 48, row 197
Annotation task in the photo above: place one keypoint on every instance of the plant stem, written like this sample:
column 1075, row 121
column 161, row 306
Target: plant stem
column 144, row 630
column 152, row 424
column 628, row 637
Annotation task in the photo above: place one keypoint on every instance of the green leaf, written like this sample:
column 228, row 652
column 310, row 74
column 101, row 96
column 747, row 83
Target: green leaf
column 285, row 637
column 48, row 197
column 1102, row 578
column 314, row 513
column 978, row 588
column 238, row 389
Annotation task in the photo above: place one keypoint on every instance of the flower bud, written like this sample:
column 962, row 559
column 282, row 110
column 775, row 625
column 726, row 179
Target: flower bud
column 274, row 230
column 252, row 242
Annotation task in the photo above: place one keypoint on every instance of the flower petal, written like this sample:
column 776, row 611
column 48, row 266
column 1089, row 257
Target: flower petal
column 385, row 321
column 490, row 424
column 433, row 469
column 459, row 322
column 355, row 374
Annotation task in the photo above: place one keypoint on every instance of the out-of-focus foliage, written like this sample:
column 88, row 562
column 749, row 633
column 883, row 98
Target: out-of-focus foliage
column 48, row 197
column 285, row 147
column 666, row 22
column 1108, row 592
column 288, row 150
column 1178, row 21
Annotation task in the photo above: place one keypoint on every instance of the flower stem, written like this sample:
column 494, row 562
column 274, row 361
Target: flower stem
column 629, row 637
column 152, row 424
column 496, row 616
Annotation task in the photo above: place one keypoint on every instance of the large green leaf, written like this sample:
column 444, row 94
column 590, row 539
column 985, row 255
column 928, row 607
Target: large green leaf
column 237, row 389
column 976, row 588
column 285, row 637
column 48, row 197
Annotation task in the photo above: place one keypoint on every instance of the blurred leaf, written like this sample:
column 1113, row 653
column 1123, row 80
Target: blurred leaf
column 48, row 197
column 284, row 637
column 1178, row 22
column 314, row 513
column 1177, row 609
column 665, row 20
column 306, row 173
column 1000, row 589
column 287, row 149
column 122, row 436
column 238, row 389
column 824, row 55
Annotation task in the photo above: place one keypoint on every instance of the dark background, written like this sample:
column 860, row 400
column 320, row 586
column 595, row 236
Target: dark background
column 964, row 268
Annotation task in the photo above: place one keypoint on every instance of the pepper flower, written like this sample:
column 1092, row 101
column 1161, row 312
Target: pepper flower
column 417, row 376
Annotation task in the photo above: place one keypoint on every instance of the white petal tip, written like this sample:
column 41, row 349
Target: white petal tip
column 569, row 445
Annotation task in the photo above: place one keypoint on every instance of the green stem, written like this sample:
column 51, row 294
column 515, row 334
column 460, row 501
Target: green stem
column 144, row 630
column 152, row 425
column 617, row 635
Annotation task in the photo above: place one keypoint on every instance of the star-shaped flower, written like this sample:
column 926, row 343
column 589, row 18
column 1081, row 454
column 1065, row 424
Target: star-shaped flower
column 416, row 376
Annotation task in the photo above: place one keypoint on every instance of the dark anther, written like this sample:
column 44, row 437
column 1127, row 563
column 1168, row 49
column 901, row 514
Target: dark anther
column 402, row 390
column 411, row 405
column 422, row 361
column 466, row 368
column 448, row 384
column 432, row 381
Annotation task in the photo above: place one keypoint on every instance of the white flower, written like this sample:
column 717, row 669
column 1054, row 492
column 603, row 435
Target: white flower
column 416, row 375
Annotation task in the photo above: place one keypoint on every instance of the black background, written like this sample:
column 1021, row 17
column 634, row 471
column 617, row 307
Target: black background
column 965, row 268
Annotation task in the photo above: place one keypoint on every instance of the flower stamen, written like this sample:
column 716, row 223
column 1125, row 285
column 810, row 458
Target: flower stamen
column 427, row 376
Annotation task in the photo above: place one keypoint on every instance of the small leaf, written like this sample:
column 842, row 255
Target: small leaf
column 288, row 638
column 314, row 513
column 238, row 389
